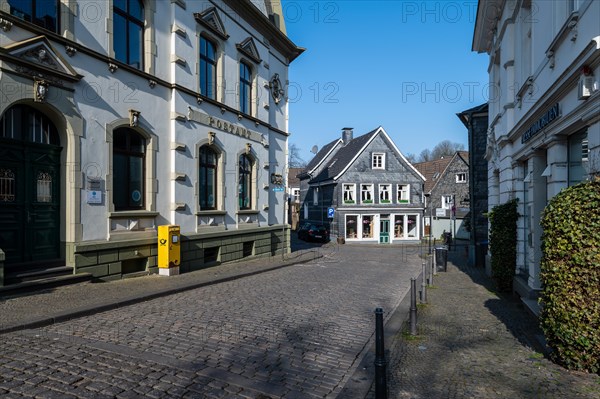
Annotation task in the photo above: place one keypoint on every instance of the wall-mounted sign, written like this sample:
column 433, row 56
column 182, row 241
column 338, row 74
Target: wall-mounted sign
column 537, row 126
column 94, row 197
column 440, row 212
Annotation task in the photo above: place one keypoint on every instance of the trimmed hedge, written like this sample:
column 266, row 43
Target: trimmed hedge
column 503, row 243
column 570, row 275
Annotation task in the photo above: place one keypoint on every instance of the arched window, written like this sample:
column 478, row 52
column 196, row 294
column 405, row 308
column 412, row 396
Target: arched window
column 21, row 122
column 208, row 68
column 245, row 182
column 129, row 155
column 42, row 13
column 245, row 88
column 128, row 32
column 208, row 178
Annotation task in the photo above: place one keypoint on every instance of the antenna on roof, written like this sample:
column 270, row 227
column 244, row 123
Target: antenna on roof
column 314, row 149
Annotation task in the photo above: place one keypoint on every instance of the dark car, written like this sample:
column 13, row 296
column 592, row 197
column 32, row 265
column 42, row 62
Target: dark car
column 313, row 232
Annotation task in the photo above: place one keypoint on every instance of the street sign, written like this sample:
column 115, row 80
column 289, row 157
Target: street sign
column 440, row 212
column 330, row 212
column 278, row 189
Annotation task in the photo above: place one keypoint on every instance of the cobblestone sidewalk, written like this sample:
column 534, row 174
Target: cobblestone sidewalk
column 474, row 343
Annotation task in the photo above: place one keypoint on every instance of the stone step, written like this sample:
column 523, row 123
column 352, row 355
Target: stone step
column 37, row 274
column 44, row 283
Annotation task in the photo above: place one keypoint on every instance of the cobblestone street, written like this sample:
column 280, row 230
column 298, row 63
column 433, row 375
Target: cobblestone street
column 296, row 332
column 474, row 343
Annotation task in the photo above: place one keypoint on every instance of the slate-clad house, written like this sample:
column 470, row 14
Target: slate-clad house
column 448, row 188
column 376, row 193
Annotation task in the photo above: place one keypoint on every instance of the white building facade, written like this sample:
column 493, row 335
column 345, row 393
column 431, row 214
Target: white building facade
column 122, row 115
column 544, row 109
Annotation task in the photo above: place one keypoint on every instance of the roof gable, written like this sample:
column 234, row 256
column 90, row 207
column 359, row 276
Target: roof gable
column 437, row 170
column 349, row 153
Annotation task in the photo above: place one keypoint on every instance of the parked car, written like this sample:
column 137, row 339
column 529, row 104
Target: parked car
column 313, row 232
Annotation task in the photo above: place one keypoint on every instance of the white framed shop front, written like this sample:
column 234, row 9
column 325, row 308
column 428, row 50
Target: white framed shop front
column 373, row 226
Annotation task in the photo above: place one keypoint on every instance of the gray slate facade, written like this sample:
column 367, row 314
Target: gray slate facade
column 476, row 121
column 364, row 195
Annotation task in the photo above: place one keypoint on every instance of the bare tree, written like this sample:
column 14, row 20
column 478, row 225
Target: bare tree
column 425, row 155
column 446, row 148
column 295, row 160
column 410, row 157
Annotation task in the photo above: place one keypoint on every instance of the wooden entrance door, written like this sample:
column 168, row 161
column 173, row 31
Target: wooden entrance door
column 29, row 188
column 384, row 231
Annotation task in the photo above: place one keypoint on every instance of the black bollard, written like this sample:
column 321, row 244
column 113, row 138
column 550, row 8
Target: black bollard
column 413, row 306
column 380, row 363
column 424, row 284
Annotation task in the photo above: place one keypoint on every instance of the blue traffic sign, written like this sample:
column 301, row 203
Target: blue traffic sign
column 330, row 212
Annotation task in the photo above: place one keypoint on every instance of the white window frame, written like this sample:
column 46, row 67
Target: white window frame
column 296, row 195
column 366, row 189
column 403, row 189
column 385, row 188
column 357, row 231
column 315, row 195
column 378, row 160
column 350, row 189
column 461, row 177
column 447, row 201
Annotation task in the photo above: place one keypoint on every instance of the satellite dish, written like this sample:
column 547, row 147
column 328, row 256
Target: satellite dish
column 314, row 149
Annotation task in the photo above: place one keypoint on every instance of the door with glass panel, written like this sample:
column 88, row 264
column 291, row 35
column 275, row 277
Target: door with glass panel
column 29, row 187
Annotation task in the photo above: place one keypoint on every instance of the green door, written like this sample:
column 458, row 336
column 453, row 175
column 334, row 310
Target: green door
column 384, row 231
column 29, row 188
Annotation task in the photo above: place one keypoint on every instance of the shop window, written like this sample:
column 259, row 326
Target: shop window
column 128, row 32
column 366, row 193
column 367, row 226
column 43, row 13
column 384, row 193
column 411, row 226
column 578, row 158
column 208, row 68
column 129, row 153
column 399, row 226
column 349, row 192
column 378, row 160
column 351, row 226
column 403, row 193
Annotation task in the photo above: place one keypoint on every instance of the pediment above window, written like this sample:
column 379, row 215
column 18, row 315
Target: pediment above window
column 37, row 58
column 210, row 19
column 248, row 48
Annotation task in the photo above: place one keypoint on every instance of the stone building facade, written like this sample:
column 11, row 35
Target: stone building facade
column 121, row 116
column 544, row 114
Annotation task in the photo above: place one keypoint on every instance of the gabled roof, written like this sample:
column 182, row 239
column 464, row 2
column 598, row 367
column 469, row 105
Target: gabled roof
column 341, row 160
column 465, row 115
column 435, row 170
column 321, row 156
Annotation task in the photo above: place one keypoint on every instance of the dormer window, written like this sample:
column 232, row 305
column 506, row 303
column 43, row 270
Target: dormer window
column 378, row 160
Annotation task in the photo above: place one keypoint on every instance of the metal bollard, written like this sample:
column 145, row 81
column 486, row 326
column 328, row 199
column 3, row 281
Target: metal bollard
column 424, row 284
column 433, row 265
column 380, row 363
column 413, row 306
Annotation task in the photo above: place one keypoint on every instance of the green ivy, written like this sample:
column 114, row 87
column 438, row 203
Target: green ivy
column 570, row 276
column 503, row 243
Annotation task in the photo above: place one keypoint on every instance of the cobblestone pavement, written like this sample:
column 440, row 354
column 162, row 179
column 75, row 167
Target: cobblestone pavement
column 296, row 332
column 473, row 343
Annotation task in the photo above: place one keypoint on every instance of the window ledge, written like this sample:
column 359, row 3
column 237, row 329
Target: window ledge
column 248, row 212
column 214, row 212
column 128, row 214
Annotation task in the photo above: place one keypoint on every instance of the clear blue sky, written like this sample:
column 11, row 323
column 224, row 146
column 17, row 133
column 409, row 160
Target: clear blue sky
column 404, row 65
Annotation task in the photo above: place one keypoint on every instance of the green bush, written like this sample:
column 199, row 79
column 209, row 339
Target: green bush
column 503, row 243
column 570, row 275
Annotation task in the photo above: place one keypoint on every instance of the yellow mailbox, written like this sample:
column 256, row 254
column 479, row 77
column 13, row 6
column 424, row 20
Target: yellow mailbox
column 169, row 250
